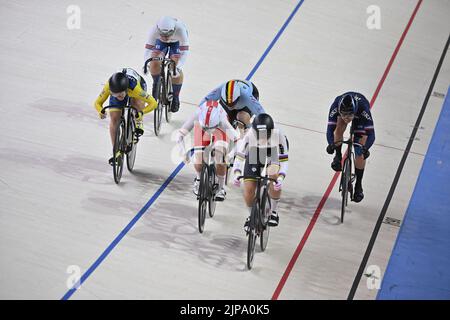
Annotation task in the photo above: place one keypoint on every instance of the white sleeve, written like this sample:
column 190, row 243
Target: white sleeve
column 241, row 152
column 184, row 43
column 151, row 41
column 189, row 124
column 283, row 153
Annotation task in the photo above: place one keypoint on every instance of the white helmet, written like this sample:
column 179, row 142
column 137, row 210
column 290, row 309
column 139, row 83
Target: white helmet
column 166, row 26
column 210, row 114
column 231, row 92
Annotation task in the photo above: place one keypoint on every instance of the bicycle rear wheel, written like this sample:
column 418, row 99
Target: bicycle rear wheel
column 252, row 235
column 131, row 140
column 118, row 151
column 202, row 198
column 169, row 97
column 345, row 179
column 212, row 191
column 265, row 212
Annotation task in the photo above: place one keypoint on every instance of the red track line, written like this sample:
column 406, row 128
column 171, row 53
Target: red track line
column 308, row 231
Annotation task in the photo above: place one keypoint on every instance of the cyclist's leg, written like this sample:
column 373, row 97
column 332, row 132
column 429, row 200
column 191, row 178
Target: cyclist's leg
column 251, row 171
column 360, row 164
column 275, row 196
column 159, row 50
column 201, row 139
column 115, row 115
column 338, row 136
column 177, row 80
column 139, row 105
column 220, row 149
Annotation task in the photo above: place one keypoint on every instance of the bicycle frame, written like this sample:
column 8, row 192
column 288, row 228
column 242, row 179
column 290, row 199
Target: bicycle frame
column 163, row 94
column 259, row 219
column 124, row 141
column 208, row 185
column 348, row 175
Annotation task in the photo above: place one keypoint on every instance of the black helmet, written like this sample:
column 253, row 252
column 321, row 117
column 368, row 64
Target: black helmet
column 263, row 124
column 347, row 105
column 118, row 82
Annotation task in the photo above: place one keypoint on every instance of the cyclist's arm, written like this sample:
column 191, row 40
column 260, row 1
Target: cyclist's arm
column 232, row 133
column 332, row 121
column 213, row 95
column 370, row 131
column 283, row 151
column 143, row 95
column 368, row 125
column 98, row 104
column 189, row 123
column 184, row 45
column 242, row 149
column 150, row 44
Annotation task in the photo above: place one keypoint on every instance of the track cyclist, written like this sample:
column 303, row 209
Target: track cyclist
column 351, row 107
column 121, row 87
column 168, row 36
column 209, row 119
column 264, row 141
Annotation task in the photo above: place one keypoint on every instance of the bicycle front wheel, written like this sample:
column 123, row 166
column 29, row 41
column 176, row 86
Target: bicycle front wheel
column 212, row 191
column 344, row 185
column 118, row 151
column 131, row 140
column 169, row 97
column 252, row 235
column 202, row 199
column 266, row 210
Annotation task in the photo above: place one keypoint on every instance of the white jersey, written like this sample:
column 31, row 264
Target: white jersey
column 180, row 35
column 249, row 147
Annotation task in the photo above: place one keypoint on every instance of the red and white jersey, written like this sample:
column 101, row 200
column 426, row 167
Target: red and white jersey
column 202, row 116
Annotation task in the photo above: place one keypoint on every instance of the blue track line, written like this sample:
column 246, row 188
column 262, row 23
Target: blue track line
column 250, row 75
column 169, row 179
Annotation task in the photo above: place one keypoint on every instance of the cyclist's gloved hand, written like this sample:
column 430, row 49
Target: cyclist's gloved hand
column 330, row 148
column 366, row 153
column 236, row 181
column 277, row 185
column 102, row 115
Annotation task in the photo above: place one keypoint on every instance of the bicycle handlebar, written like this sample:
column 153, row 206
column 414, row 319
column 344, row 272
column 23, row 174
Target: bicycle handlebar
column 118, row 107
column 157, row 59
column 348, row 142
column 259, row 178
